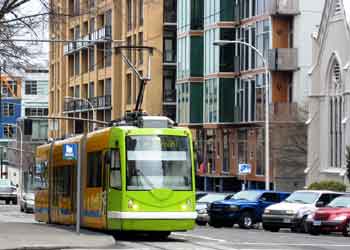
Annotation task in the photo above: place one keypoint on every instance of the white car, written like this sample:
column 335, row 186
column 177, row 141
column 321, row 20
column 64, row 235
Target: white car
column 293, row 212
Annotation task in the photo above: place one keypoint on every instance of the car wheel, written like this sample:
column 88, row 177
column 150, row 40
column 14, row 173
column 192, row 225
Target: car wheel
column 201, row 223
column 246, row 220
column 7, row 202
column 303, row 226
column 270, row 228
column 14, row 202
column 215, row 224
column 314, row 230
column 346, row 231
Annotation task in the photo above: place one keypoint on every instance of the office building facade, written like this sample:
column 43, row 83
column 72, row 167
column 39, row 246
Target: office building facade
column 221, row 89
column 90, row 80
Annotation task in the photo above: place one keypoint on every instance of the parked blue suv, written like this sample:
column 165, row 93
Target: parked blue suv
column 244, row 208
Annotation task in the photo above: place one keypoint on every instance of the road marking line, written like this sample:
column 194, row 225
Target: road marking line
column 262, row 243
column 201, row 237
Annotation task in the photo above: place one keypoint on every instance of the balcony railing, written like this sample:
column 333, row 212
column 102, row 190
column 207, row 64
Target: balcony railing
column 98, row 102
column 283, row 59
column 104, row 33
column 283, row 7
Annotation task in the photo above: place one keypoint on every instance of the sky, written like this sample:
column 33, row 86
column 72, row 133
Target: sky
column 40, row 50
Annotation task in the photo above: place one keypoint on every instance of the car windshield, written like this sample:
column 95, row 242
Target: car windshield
column 340, row 202
column 212, row 197
column 5, row 183
column 247, row 195
column 303, row 197
column 158, row 161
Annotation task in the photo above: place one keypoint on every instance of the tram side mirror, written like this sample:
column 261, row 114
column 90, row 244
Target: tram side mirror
column 108, row 158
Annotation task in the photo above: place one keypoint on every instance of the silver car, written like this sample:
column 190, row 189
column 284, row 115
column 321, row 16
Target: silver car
column 8, row 192
column 27, row 202
column 202, row 204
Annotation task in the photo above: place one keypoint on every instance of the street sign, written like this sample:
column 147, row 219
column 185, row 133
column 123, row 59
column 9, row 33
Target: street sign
column 70, row 151
column 244, row 169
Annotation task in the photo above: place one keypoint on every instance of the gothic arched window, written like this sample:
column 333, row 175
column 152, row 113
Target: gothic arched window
column 336, row 103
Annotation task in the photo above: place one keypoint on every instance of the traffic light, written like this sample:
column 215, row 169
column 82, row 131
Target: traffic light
column 28, row 126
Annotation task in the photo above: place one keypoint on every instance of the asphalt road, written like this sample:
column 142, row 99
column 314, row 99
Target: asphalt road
column 211, row 238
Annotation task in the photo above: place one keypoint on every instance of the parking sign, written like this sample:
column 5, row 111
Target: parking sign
column 70, row 151
column 244, row 169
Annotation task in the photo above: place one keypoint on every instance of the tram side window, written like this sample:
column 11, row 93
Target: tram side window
column 62, row 182
column 94, row 172
column 115, row 178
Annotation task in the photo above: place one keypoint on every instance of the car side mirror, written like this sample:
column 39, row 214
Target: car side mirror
column 17, row 186
column 320, row 204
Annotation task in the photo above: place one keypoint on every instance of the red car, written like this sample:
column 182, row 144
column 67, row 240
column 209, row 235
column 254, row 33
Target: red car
column 335, row 217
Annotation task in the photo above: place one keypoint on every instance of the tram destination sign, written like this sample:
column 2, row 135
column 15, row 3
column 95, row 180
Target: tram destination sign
column 70, row 151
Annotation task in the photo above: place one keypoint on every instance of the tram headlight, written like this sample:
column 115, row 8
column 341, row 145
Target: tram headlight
column 133, row 205
column 187, row 205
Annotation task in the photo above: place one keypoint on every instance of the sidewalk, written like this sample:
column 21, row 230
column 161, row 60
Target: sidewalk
column 43, row 236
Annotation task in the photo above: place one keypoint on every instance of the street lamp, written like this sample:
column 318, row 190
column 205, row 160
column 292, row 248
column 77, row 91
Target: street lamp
column 88, row 102
column 267, row 107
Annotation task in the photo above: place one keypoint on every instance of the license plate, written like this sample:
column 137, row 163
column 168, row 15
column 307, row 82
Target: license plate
column 317, row 223
column 287, row 220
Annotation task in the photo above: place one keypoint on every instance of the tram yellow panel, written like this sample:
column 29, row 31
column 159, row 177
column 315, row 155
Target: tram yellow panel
column 94, row 208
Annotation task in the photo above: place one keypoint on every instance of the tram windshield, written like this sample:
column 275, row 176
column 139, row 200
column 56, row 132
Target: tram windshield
column 158, row 161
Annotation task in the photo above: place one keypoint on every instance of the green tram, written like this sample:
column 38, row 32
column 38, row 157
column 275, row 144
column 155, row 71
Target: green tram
column 135, row 176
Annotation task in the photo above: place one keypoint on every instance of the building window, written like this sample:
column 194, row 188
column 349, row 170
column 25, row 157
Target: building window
column 170, row 7
column 227, row 53
column 211, row 105
column 31, row 88
column 263, row 30
column 91, row 89
column 76, row 7
column 226, row 152
column 260, row 152
column 8, row 109
column 170, row 46
column 36, row 111
column 108, row 86
column 141, row 51
column 11, row 89
column 242, row 143
column 140, row 12
column 128, row 54
column 77, row 63
column 128, row 89
column 336, row 114
column 108, row 54
column 169, row 94
column 91, row 59
column 9, row 131
column 129, row 18
column 183, row 100
column 92, row 25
